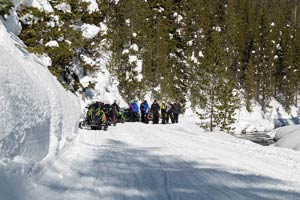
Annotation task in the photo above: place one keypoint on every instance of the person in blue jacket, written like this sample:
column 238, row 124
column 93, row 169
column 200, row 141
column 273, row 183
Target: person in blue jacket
column 146, row 107
column 144, row 111
column 135, row 110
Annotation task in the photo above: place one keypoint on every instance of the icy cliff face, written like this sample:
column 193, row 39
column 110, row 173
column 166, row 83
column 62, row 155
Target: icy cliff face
column 38, row 117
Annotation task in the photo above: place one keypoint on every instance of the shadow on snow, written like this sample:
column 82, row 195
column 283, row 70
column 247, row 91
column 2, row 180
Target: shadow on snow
column 120, row 171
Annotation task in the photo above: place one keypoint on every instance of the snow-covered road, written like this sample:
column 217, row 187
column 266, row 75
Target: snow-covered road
column 138, row 161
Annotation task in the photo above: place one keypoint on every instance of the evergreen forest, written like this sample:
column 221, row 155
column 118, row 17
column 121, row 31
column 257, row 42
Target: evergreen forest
column 214, row 54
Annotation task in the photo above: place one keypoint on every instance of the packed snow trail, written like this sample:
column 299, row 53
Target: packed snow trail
column 138, row 161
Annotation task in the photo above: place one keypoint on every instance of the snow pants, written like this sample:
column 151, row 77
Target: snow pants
column 176, row 118
column 171, row 117
column 163, row 117
column 155, row 118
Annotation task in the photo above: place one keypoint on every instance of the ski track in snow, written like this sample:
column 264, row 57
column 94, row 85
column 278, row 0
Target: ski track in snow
column 167, row 162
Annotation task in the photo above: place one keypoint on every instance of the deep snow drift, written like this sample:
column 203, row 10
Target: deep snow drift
column 38, row 117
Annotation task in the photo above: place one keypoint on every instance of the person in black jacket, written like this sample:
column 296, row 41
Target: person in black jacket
column 115, row 109
column 176, row 110
column 163, row 112
column 143, row 112
column 155, row 112
column 169, row 110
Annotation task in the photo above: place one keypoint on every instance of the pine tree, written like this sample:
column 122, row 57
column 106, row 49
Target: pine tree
column 249, row 86
column 228, row 104
column 5, row 6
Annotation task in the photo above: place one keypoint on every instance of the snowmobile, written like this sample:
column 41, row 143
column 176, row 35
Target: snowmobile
column 95, row 117
column 137, row 116
column 111, row 115
column 121, row 117
column 126, row 114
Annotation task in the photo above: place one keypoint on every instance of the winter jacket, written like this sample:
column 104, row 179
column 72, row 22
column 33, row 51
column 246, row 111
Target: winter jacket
column 169, row 108
column 155, row 108
column 146, row 107
column 130, row 107
column 163, row 107
column 142, row 107
column 176, row 108
column 115, row 107
column 135, row 107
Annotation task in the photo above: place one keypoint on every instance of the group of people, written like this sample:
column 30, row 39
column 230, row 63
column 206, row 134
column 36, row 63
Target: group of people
column 168, row 112
column 99, row 115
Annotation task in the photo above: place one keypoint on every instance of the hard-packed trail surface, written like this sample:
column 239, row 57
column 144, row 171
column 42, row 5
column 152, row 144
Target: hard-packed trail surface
column 139, row 161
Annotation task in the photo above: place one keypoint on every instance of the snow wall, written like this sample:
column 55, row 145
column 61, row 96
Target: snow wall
column 38, row 117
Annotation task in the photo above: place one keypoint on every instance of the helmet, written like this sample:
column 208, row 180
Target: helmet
column 132, row 101
column 163, row 102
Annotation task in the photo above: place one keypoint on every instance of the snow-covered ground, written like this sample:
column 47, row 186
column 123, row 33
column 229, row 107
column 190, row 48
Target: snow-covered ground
column 287, row 137
column 258, row 121
column 138, row 161
column 42, row 156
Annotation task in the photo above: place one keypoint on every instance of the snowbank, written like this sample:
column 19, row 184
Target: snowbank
column 255, row 121
column 258, row 121
column 287, row 137
column 37, row 116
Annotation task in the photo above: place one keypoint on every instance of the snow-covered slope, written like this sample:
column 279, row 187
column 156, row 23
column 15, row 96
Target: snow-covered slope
column 38, row 117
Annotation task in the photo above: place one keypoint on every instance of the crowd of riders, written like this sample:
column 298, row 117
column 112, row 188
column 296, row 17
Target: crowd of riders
column 99, row 115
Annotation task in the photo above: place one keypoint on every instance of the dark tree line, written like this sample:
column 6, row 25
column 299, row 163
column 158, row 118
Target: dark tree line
column 211, row 52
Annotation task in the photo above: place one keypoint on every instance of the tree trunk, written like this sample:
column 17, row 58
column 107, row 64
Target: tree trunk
column 212, row 111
